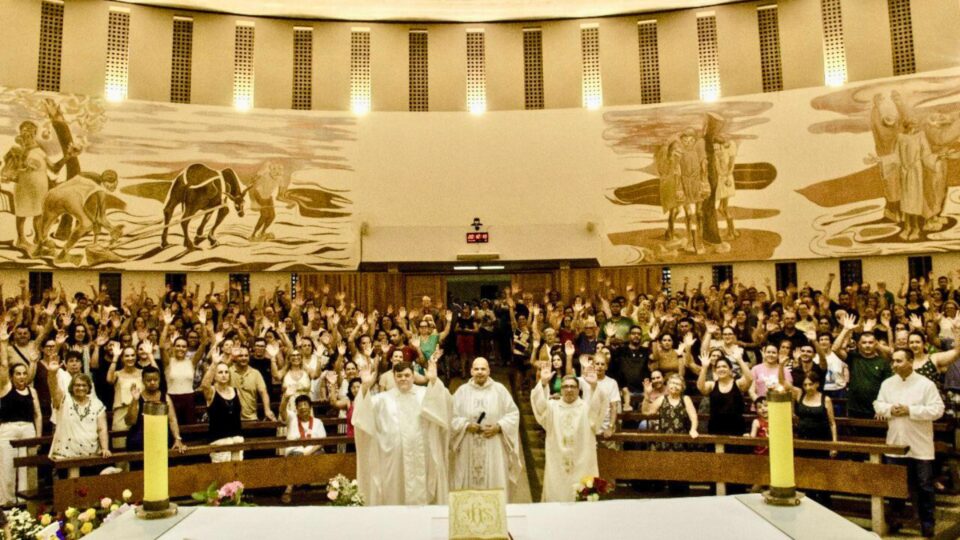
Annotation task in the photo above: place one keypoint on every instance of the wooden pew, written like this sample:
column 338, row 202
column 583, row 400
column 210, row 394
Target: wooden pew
column 275, row 471
column 872, row 478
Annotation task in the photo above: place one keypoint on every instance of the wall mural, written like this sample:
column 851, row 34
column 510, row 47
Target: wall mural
column 862, row 170
column 866, row 169
column 147, row 186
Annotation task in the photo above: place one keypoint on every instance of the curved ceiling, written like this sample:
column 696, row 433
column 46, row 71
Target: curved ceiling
column 431, row 10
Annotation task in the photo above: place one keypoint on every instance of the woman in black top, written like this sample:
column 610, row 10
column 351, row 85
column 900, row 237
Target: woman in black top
column 726, row 395
column 223, row 411
column 152, row 392
column 19, row 419
column 815, row 422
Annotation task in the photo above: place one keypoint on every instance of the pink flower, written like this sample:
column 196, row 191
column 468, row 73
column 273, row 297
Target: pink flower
column 230, row 489
column 333, row 494
column 105, row 502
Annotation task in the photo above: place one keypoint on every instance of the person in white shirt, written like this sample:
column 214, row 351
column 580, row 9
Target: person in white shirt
column 303, row 425
column 610, row 388
column 837, row 375
column 910, row 403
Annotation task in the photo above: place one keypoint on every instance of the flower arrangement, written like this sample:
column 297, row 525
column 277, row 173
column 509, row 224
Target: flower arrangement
column 229, row 494
column 343, row 492
column 22, row 525
column 593, row 488
column 73, row 523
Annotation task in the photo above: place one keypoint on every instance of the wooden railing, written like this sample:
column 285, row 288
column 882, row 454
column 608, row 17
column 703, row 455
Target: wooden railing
column 186, row 478
column 717, row 465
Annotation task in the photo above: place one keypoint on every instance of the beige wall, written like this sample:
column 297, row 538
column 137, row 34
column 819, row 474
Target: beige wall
column 866, row 34
column 866, row 28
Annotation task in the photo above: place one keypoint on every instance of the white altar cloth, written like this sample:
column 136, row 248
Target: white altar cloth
column 722, row 518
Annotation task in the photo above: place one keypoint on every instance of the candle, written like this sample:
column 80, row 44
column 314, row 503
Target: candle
column 780, row 413
column 155, row 496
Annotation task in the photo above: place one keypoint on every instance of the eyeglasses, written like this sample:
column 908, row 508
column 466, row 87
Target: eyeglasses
column 569, row 387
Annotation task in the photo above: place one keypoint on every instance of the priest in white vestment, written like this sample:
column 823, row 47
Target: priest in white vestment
column 571, row 425
column 403, row 437
column 485, row 433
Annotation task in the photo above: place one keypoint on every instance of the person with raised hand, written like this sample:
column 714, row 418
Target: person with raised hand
column 20, row 418
column 571, row 425
column 402, row 437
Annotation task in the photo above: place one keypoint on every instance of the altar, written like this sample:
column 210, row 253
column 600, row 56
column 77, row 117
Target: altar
column 733, row 517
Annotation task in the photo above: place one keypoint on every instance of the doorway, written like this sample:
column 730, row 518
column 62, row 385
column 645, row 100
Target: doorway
column 474, row 287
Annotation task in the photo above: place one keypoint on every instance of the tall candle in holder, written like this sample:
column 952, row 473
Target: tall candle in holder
column 156, row 498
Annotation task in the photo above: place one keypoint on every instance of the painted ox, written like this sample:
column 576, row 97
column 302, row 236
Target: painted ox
column 199, row 188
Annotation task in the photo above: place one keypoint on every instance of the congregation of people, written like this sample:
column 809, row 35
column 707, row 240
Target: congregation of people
column 83, row 365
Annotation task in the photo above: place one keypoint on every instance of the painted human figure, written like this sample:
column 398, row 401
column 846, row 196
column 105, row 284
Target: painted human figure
column 942, row 131
column 692, row 187
column 84, row 198
column 724, row 158
column 269, row 179
column 668, row 166
column 912, row 148
column 885, row 126
column 27, row 164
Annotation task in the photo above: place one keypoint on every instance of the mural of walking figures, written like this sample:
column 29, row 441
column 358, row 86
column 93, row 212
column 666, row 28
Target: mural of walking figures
column 915, row 128
column 693, row 154
column 146, row 186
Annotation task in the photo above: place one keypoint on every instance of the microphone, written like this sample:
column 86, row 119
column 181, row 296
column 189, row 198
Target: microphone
column 483, row 415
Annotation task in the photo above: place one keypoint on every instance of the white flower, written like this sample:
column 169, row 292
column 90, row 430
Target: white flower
column 335, row 484
column 593, row 497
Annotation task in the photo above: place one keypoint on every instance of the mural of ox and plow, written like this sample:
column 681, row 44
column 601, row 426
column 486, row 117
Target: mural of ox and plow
column 146, row 186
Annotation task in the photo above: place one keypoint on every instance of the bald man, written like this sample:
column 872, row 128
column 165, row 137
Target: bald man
column 485, row 433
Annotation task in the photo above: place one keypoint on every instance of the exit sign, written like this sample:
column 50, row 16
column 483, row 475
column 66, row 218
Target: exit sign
column 478, row 237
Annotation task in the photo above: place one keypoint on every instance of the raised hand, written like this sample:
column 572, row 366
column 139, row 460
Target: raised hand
column 869, row 324
column 569, row 348
column 546, row 373
column 432, row 367
column 647, row 387
column 202, row 316
column 415, row 342
column 167, row 316
column 916, row 322
column 654, row 331
column 367, row 376
column 849, row 322
column 342, row 349
column 135, row 391
column 448, row 315
column 273, row 350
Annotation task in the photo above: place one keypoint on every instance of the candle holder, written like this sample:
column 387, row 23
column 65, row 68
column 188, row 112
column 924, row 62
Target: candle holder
column 156, row 500
column 783, row 489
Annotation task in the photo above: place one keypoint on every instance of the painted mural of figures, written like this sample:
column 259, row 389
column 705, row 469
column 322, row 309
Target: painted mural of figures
column 70, row 152
column 912, row 149
column 201, row 189
column 270, row 178
column 27, row 164
column 693, row 186
column 668, row 165
column 83, row 198
column 941, row 130
column 724, row 159
column 885, row 125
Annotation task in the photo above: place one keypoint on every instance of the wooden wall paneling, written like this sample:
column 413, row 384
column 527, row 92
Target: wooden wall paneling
column 645, row 279
column 419, row 285
column 535, row 283
column 369, row 290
